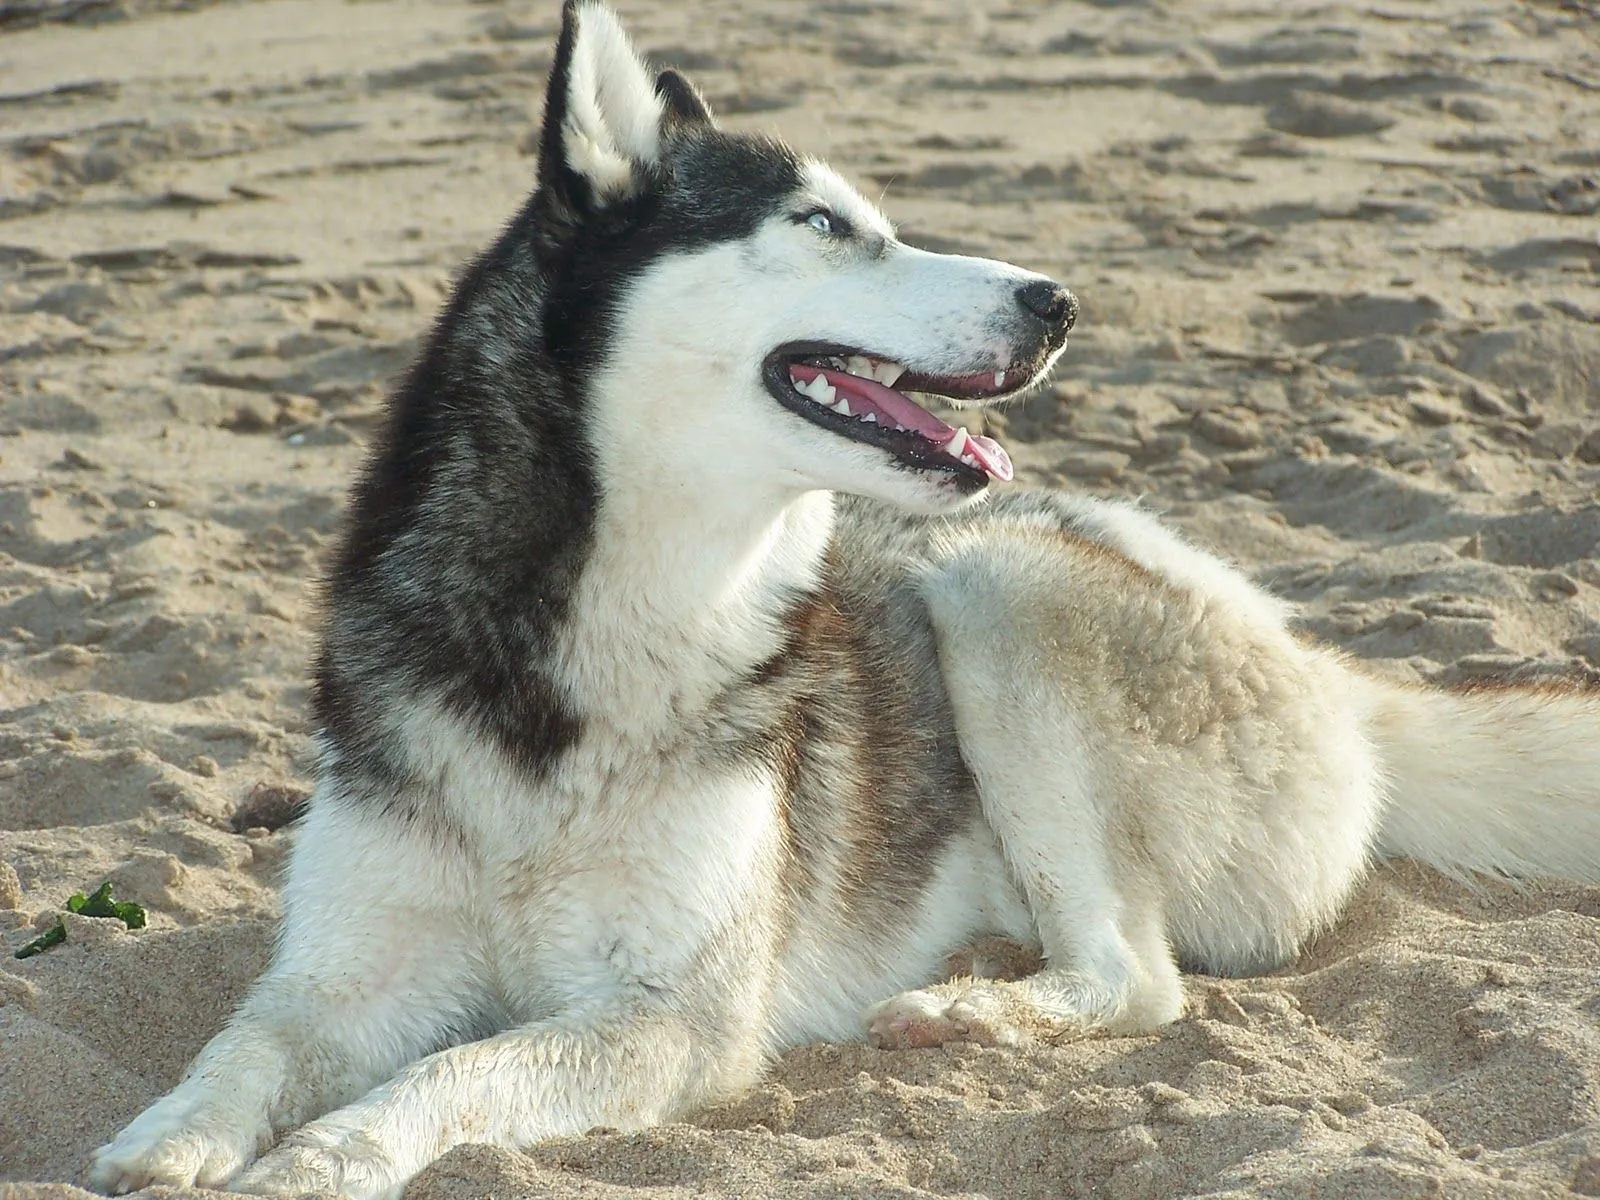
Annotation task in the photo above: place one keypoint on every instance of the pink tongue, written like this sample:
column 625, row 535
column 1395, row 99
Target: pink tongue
column 892, row 408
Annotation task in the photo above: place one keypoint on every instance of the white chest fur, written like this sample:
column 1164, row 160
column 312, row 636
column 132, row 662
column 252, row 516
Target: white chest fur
column 616, row 874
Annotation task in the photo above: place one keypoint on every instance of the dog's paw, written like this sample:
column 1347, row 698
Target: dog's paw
column 966, row 1010
column 327, row 1158
column 181, row 1141
column 363, row 1173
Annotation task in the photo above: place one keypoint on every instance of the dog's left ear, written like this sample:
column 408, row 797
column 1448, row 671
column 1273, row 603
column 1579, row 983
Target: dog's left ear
column 684, row 103
column 602, row 114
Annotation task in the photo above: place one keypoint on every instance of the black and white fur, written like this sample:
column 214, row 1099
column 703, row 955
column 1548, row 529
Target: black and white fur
column 700, row 725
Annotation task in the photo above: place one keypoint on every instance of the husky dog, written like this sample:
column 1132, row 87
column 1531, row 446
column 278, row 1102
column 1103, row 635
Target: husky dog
column 671, row 666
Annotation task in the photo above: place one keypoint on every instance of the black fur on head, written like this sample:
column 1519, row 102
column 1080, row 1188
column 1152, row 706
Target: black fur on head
column 700, row 185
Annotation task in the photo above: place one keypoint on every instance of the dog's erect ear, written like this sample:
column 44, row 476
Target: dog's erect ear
column 602, row 114
column 684, row 103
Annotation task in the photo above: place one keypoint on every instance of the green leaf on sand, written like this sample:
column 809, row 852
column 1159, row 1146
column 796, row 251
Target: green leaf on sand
column 98, row 905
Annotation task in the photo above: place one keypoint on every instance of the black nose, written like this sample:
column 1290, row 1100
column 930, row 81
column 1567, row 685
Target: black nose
column 1050, row 302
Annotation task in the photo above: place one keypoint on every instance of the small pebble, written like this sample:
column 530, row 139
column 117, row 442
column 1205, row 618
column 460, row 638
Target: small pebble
column 271, row 806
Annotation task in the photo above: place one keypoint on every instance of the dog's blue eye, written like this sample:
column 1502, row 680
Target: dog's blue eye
column 821, row 222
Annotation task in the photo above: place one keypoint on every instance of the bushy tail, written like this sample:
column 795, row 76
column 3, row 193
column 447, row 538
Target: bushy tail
column 1497, row 780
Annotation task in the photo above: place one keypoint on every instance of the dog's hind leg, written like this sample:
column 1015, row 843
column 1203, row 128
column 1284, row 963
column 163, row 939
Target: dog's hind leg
column 1050, row 792
column 1108, row 965
column 357, row 988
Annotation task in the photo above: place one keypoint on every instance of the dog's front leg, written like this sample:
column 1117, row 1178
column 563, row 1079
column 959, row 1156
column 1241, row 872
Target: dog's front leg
column 511, row 1090
column 350, row 997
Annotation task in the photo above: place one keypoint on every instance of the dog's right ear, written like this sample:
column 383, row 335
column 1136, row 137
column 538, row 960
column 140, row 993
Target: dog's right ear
column 602, row 113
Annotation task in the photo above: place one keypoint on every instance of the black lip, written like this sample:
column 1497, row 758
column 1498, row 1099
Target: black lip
column 908, row 448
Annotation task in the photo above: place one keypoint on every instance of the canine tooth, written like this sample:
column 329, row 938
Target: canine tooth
column 999, row 379
column 887, row 372
column 870, row 418
column 957, row 444
column 859, row 366
column 842, row 408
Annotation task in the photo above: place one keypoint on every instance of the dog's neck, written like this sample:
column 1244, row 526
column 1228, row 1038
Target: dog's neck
column 685, row 592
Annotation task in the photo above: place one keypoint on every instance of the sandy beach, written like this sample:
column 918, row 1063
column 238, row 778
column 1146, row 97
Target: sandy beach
column 1340, row 274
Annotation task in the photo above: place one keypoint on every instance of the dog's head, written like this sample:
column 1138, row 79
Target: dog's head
column 731, row 305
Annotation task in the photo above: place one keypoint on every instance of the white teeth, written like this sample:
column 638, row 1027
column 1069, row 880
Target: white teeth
column 999, row 379
column 957, row 444
column 863, row 367
column 870, row 418
column 969, row 460
column 818, row 389
column 842, row 408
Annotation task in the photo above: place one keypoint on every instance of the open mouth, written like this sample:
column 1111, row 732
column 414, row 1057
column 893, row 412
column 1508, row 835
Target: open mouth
column 880, row 402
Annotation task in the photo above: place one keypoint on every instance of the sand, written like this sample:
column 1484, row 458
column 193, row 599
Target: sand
column 1339, row 270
